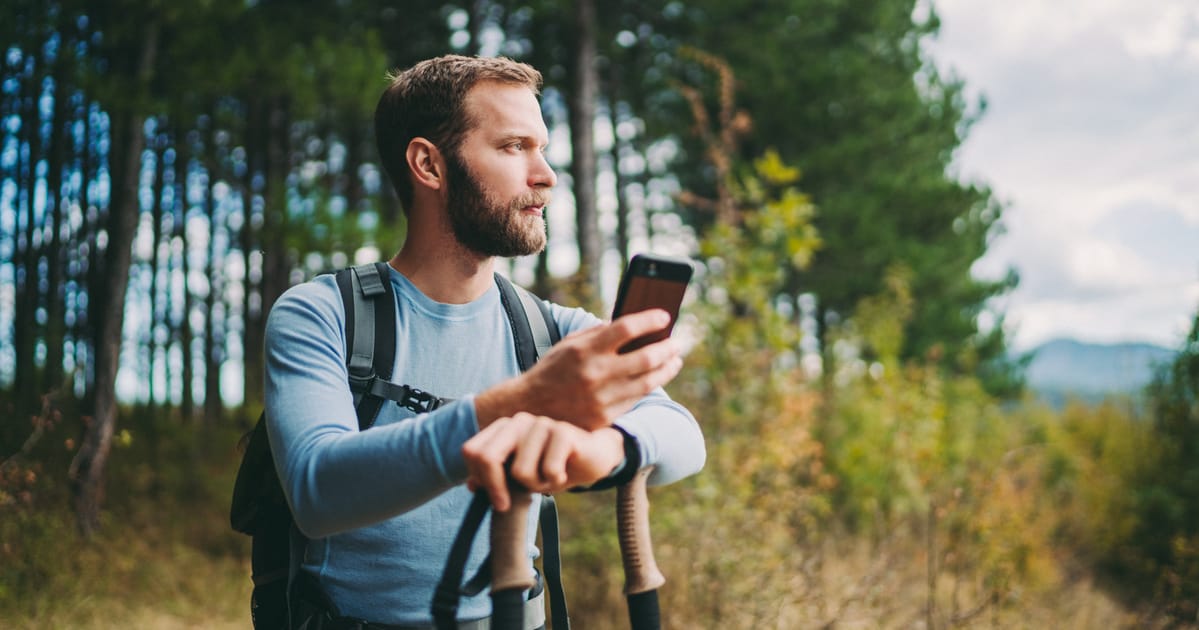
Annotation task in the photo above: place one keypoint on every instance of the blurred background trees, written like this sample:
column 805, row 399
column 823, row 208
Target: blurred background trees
column 167, row 169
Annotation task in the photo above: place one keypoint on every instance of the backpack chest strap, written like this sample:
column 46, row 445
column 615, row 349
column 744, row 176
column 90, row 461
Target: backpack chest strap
column 405, row 396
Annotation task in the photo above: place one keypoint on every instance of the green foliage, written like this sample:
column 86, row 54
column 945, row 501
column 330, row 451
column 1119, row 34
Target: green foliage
column 1018, row 495
column 745, row 385
column 744, row 381
column 746, row 264
column 1165, row 541
column 908, row 489
column 874, row 125
column 915, row 449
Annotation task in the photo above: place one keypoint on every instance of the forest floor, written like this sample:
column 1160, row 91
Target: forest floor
column 165, row 558
column 152, row 576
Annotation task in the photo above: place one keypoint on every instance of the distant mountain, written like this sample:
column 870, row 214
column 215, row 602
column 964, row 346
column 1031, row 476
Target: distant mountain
column 1065, row 367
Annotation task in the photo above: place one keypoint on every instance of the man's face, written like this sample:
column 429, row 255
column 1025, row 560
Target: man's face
column 488, row 225
column 499, row 181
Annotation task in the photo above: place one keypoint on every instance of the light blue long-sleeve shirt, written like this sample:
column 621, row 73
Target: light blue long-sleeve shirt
column 381, row 507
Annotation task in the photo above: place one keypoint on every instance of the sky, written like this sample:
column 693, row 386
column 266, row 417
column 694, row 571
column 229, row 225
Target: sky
column 1090, row 137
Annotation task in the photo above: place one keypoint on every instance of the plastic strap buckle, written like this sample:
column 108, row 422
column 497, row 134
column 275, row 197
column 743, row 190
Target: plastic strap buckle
column 418, row 400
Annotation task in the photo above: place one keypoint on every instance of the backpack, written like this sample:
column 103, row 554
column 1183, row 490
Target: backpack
column 259, row 507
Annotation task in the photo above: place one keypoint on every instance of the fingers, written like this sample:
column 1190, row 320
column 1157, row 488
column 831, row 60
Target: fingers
column 556, row 456
column 624, row 393
column 629, row 327
column 538, row 448
column 584, row 380
column 546, row 456
column 648, row 359
column 526, row 464
column 542, row 454
column 631, row 376
column 486, row 454
column 614, row 382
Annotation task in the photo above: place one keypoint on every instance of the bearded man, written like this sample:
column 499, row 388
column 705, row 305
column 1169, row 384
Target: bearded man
column 463, row 141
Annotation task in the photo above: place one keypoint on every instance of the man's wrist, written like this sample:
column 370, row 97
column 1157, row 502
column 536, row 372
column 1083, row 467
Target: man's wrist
column 499, row 401
column 624, row 471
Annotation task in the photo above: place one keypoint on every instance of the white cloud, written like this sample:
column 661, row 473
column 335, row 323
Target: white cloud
column 1092, row 139
column 1107, row 320
column 1099, row 265
column 1162, row 33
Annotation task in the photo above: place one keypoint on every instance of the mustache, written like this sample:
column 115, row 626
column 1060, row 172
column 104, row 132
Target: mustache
column 535, row 198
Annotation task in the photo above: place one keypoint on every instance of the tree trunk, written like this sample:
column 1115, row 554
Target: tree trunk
column 10, row 105
column 127, row 138
column 582, row 142
column 29, row 245
column 156, row 219
column 622, row 199
column 214, row 354
column 86, row 321
column 276, row 263
column 56, row 205
column 273, row 147
column 187, row 395
column 477, row 15
column 828, row 359
column 250, row 238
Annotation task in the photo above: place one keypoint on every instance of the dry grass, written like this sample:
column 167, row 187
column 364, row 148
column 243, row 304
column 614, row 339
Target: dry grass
column 851, row 585
column 149, row 576
column 137, row 578
column 163, row 558
column 732, row 557
column 728, row 573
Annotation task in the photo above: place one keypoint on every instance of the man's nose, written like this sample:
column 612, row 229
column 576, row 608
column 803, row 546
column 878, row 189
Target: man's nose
column 541, row 174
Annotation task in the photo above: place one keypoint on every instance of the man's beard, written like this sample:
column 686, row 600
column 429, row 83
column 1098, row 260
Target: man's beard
column 490, row 226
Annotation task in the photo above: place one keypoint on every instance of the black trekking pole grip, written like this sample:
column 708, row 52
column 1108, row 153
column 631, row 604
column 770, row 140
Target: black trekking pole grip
column 642, row 577
column 510, row 575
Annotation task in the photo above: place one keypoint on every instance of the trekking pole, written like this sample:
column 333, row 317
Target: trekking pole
column 507, row 568
column 642, row 577
column 510, row 575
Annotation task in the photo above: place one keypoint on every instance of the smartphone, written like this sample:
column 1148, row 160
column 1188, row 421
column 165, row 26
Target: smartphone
column 652, row 281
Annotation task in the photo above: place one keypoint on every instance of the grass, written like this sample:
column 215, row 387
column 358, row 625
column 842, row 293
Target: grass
column 728, row 573
column 137, row 577
column 156, row 568
column 164, row 557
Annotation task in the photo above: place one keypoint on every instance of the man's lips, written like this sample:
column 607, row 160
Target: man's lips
column 533, row 203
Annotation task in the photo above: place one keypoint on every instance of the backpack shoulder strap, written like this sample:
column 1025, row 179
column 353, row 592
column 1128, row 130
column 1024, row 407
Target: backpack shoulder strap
column 369, row 301
column 533, row 328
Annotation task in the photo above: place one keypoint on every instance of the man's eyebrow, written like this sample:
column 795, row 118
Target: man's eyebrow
column 507, row 137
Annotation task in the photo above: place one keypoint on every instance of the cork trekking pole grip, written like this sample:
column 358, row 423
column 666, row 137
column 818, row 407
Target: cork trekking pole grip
column 642, row 577
column 510, row 573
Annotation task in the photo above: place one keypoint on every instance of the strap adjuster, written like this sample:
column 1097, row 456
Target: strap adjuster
column 418, row 400
column 361, row 383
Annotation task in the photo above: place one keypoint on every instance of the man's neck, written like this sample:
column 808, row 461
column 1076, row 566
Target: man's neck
column 444, row 271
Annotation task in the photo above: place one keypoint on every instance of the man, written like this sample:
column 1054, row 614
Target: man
column 463, row 141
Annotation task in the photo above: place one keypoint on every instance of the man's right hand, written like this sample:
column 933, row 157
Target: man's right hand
column 583, row 380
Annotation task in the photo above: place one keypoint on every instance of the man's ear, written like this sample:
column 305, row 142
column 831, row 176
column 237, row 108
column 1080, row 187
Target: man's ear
column 426, row 164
